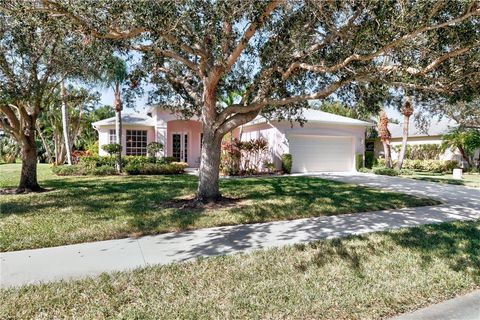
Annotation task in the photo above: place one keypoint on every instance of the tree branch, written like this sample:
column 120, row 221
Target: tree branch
column 250, row 32
column 169, row 54
column 472, row 11
column 112, row 34
column 183, row 82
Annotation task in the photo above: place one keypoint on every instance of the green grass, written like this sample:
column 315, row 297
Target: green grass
column 363, row 277
column 82, row 209
column 469, row 179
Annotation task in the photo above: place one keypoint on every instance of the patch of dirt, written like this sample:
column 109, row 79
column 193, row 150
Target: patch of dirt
column 195, row 204
column 11, row 191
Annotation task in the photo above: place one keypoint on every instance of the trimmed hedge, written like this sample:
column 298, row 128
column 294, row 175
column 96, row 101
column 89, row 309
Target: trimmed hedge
column 100, row 166
column 358, row 161
column 96, row 161
column 384, row 171
column 79, row 170
column 369, row 159
column 438, row 166
column 156, row 168
column 287, row 162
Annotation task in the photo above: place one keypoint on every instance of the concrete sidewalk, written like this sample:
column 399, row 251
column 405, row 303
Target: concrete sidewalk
column 461, row 308
column 89, row 259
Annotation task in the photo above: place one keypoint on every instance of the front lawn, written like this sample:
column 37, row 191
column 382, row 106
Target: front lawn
column 82, row 209
column 469, row 179
column 363, row 277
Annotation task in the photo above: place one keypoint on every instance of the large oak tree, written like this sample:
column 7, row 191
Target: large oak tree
column 279, row 53
column 36, row 55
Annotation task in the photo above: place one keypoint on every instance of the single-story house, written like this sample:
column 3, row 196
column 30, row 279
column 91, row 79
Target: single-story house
column 326, row 142
column 431, row 135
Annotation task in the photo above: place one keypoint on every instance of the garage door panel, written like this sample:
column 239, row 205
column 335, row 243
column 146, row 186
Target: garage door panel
column 314, row 153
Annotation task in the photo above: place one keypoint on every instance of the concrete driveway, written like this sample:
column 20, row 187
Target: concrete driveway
column 89, row 259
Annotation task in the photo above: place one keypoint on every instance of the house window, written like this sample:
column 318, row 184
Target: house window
column 136, row 143
column 201, row 140
column 112, row 136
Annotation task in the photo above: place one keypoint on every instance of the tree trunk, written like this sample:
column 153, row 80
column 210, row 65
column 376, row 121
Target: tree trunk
column 118, row 137
column 117, row 103
column 66, row 135
column 208, row 189
column 28, row 176
column 464, row 156
column 45, row 145
column 388, row 154
column 401, row 156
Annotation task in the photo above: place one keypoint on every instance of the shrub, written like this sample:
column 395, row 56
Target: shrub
column 104, row 170
column 358, row 161
column 437, row 166
column 153, row 148
column 287, row 162
column 112, row 148
column 386, row 171
column 74, row 170
column 365, row 170
column 156, row 168
column 407, row 172
column 421, row 151
column 369, row 159
column 138, row 160
column 269, row 166
column 167, row 160
column 379, row 163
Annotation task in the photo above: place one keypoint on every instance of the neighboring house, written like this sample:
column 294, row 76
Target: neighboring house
column 327, row 142
column 432, row 135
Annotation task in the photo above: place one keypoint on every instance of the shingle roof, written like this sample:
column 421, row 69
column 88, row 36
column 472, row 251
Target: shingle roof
column 436, row 128
column 321, row 117
column 128, row 118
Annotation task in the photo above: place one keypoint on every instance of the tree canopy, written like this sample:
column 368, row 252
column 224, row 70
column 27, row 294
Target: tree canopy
column 280, row 54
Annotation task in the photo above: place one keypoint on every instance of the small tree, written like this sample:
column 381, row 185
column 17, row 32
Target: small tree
column 467, row 141
column 385, row 137
column 112, row 149
column 153, row 148
column 114, row 75
column 407, row 111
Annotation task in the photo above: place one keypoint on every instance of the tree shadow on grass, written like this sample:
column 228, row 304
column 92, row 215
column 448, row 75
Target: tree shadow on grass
column 458, row 243
column 139, row 201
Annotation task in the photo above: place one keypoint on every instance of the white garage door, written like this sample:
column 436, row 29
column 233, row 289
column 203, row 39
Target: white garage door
column 314, row 153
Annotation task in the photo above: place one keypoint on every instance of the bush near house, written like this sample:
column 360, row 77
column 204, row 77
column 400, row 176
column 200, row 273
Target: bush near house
column 244, row 157
column 437, row 166
column 421, row 151
column 370, row 160
column 100, row 166
column 358, row 161
column 287, row 163
column 156, row 168
column 384, row 171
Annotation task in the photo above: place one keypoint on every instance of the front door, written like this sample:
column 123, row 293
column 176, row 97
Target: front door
column 180, row 147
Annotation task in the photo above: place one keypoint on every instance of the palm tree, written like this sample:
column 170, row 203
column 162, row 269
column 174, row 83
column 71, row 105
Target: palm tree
column 114, row 76
column 385, row 137
column 467, row 141
column 65, row 124
column 407, row 111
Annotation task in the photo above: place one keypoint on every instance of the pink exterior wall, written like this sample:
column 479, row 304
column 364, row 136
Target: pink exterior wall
column 104, row 136
column 193, row 129
column 277, row 134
